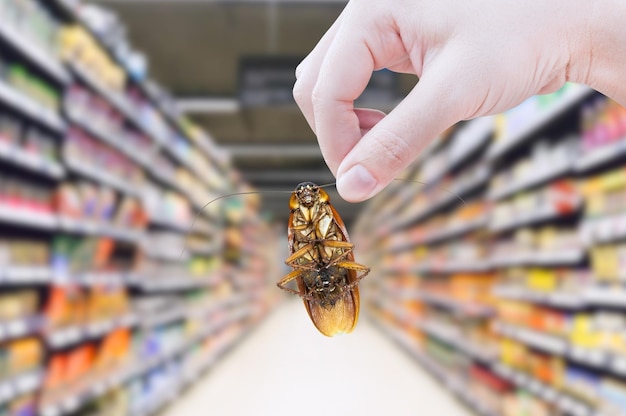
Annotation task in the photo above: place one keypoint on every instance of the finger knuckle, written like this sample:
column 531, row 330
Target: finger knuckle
column 396, row 149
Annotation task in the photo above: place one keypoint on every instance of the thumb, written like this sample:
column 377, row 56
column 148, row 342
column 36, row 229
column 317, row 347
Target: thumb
column 396, row 140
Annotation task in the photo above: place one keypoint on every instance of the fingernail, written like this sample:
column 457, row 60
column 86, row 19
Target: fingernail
column 357, row 184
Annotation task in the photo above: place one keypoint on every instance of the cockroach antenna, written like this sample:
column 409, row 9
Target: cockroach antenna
column 261, row 191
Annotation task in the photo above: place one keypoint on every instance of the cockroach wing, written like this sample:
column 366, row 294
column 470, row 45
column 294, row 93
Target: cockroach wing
column 342, row 317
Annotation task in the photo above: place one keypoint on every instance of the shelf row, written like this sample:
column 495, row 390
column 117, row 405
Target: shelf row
column 32, row 162
column 544, row 213
column 31, row 108
column 565, row 402
column 450, row 381
column 52, row 66
column 53, row 121
column 446, row 197
column 611, row 296
column 470, row 136
column 572, row 96
column 19, row 275
column 32, row 381
column 585, row 297
column 45, row 220
column 17, row 156
column 36, row 54
column 118, row 101
column 75, row 400
column 58, row 338
column 539, row 258
column 556, row 345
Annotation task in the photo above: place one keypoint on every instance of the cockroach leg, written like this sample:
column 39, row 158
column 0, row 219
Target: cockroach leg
column 299, row 254
column 350, row 265
column 282, row 283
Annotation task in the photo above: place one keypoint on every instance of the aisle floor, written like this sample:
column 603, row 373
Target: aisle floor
column 284, row 367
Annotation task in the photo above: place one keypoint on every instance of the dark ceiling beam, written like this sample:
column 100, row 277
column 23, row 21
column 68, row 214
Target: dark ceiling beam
column 256, row 151
column 288, row 176
column 208, row 105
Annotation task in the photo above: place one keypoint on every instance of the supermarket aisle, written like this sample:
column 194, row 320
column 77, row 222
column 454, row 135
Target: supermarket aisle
column 287, row 368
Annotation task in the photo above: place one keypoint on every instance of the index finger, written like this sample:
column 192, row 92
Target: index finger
column 344, row 74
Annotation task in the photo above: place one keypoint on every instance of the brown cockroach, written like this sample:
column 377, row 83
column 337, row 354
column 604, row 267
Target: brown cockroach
column 322, row 260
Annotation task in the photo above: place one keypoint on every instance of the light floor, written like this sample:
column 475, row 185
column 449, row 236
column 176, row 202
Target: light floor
column 285, row 367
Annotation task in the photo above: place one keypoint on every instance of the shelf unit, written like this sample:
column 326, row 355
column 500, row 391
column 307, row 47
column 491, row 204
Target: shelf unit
column 101, row 261
column 507, row 294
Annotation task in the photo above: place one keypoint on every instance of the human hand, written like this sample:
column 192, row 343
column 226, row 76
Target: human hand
column 472, row 58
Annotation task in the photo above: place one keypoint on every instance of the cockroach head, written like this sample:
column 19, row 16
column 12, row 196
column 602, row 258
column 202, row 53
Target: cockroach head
column 307, row 193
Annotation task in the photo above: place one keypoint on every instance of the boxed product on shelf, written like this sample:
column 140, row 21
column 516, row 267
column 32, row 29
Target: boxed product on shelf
column 582, row 382
column 522, row 403
column 167, row 207
column 16, row 252
column 113, row 403
column 167, row 245
column 106, row 303
column 113, row 354
column 149, row 116
column 603, row 122
column 599, row 330
column 65, row 307
column 472, row 287
column 521, row 281
column 165, row 167
column 15, row 136
column 32, row 21
column 40, row 144
column 71, row 374
column 606, row 393
column 78, row 46
column 97, row 115
column 24, row 405
column 559, row 245
column 604, row 217
column 603, row 193
column 100, row 160
column 198, row 193
column 74, row 256
column 607, row 262
column 552, row 201
column 547, row 160
column 448, row 357
column 18, row 305
column 33, row 86
column 70, row 312
column 90, row 204
column 536, row 317
column 19, row 357
column 545, row 368
column 516, row 120
column 10, row 129
column 488, row 389
column 19, row 194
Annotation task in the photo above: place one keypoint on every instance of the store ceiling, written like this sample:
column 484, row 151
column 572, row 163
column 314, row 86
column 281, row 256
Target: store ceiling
column 194, row 47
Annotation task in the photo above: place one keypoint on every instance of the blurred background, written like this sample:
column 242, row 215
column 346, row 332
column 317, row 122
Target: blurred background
column 496, row 284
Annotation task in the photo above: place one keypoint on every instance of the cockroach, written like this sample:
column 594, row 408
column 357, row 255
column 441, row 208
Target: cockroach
column 322, row 259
